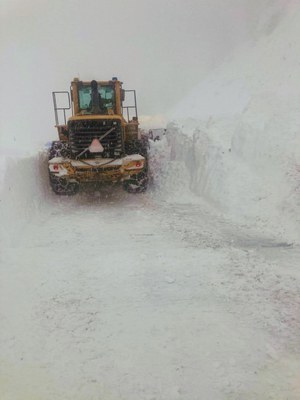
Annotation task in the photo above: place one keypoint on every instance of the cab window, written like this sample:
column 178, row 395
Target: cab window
column 107, row 94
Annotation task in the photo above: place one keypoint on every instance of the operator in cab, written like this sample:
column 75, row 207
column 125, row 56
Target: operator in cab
column 96, row 105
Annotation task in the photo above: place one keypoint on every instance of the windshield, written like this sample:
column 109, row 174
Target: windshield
column 107, row 101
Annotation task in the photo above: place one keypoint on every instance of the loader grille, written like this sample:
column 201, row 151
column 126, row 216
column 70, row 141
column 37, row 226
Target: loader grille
column 81, row 134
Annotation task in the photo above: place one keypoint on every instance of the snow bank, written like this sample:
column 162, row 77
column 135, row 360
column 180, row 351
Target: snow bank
column 24, row 190
column 262, row 190
column 235, row 139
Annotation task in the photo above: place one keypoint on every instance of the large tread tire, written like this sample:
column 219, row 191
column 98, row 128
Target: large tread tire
column 59, row 149
column 137, row 183
column 137, row 147
column 62, row 187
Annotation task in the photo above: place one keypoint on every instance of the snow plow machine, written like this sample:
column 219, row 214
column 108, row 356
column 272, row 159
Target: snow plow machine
column 100, row 142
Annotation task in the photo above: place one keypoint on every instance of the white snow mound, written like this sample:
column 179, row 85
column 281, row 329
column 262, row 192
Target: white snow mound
column 25, row 189
column 236, row 136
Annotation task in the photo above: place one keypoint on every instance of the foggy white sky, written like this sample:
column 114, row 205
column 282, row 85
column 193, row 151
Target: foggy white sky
column 162, row 48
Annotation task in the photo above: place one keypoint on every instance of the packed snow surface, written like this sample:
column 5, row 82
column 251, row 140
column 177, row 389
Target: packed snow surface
column 116, row 296
column 189, row 291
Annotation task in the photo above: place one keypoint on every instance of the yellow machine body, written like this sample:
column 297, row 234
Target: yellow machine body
column 101, row 141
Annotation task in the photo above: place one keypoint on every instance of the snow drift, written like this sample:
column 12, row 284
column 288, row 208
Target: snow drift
column 25, row 191
column 235, row 138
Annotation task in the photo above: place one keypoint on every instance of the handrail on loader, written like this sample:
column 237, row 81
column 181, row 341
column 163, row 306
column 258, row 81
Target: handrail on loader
column 56, row 109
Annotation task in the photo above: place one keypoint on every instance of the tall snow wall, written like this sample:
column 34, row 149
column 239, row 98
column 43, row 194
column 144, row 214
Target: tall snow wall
column 235, row 139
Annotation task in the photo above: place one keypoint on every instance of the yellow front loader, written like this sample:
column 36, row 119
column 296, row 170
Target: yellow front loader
column 100, row 142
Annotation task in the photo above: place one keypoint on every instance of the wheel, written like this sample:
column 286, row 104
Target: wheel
column 137, row 147
column 59, row 149
column 137, row 183
column 62, row 186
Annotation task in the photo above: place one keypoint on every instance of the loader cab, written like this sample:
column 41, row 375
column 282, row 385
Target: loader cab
column 110, row 97
column 106, row 99
column 81, row 104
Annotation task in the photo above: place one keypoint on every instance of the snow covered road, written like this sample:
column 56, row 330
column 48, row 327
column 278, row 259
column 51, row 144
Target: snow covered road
column 190, row 291
column 133, row 297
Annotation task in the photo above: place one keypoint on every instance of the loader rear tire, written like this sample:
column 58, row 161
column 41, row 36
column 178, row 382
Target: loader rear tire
column 137, row 183
column 137, row 147
column 63, row 187
column 59, row 149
